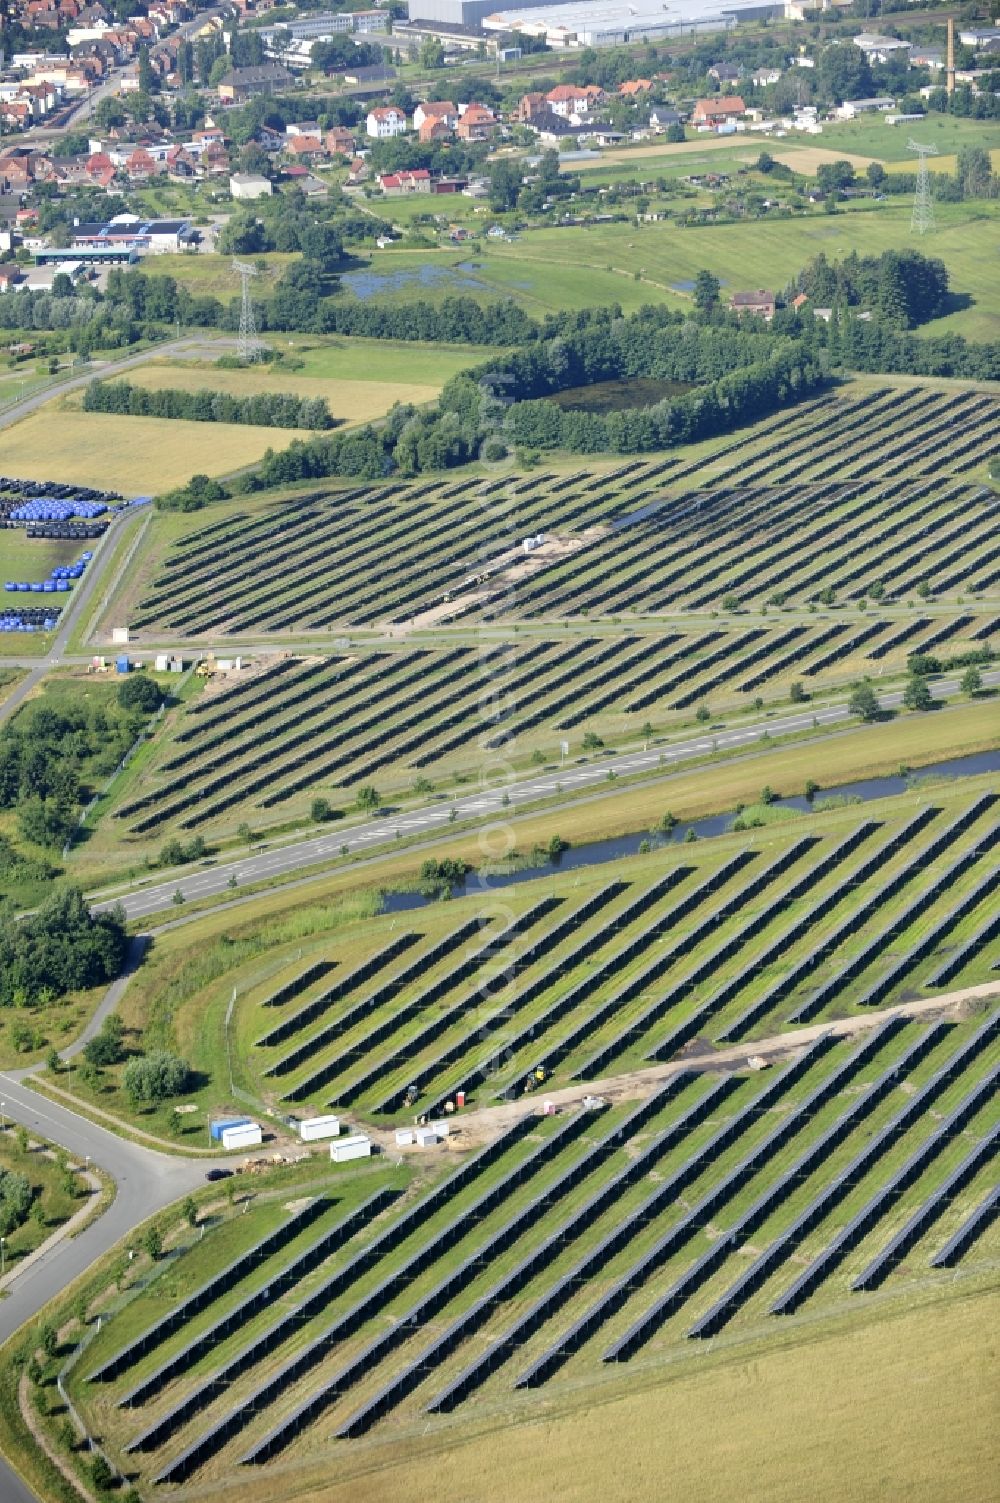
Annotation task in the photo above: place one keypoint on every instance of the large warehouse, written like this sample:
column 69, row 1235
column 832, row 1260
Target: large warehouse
column 594, row 23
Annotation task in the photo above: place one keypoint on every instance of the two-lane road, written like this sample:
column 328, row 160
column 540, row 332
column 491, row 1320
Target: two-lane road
column 570, row 783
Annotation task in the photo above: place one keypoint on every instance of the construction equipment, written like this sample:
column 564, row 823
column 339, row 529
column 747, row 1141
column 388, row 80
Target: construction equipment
column 412, row 1094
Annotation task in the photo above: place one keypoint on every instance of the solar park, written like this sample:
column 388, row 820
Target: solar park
column 722, row 1206
column 765, row 1146
column 648, row 537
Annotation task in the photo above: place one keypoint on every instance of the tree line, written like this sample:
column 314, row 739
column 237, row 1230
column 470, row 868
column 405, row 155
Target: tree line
column 272, row 409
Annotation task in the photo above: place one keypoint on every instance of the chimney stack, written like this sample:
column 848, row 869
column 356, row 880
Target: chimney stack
column 950, row 74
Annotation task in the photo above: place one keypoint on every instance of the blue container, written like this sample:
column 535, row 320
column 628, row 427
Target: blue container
column 122, row 665
column 218, row 1128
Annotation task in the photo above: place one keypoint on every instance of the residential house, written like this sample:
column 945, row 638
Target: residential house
column 879, row 49
column 530, row 106
column 476, row 123
column 436, row 109
column 400, row 184
column 240, row 84
column 725, row 73
column 662, row 118
column 633, row 87
column 574, row 99
column 433, row 129
column 340, row 141
column 305, row 148
column 765, row 76
column 760, row 303
column 718, row 111
column 384, row 121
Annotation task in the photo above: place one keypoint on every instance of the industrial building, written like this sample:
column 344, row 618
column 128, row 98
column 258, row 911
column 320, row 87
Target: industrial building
column 594, row 23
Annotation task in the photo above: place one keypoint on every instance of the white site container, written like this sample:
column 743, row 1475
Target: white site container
column 162, row 663
column 120, row 635
column 441, row 1128
column 426, row 1137
column 246, row 1135
column 357, row 1146
column 319, row 1127
column 404, row 1137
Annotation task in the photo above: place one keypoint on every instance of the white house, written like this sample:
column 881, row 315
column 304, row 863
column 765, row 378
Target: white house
column 387, row 120
column 879, row 49
column 250, row 185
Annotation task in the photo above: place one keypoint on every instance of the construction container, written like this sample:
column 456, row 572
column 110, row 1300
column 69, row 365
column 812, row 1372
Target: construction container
column 548, row 1108
column 246, row 1135
column 122, row 665
column 357, row 1146
column 216, row 1129
column 441, row 1128
column 120, row 634
column 319, row 1127
column 404, row 1137
column 426, row 1137
column 162, row 663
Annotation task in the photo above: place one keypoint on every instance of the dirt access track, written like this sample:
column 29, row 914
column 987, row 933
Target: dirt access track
column 475, row 1128
column 503, row 573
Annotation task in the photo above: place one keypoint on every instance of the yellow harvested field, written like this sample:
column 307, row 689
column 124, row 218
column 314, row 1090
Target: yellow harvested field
column 349, row 401
column 134, row 455
column 899, row 1407
column 807, row 159
column 946, row 163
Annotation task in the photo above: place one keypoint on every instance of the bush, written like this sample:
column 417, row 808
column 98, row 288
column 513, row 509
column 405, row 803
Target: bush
column 155, row 1077
column 107, row 1047
column 139, row 692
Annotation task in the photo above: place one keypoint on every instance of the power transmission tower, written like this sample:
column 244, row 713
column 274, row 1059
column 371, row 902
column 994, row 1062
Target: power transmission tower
column 248, row 345
column 923, row 204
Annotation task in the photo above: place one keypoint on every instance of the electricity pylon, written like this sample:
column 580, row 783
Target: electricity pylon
column 923, row 204
column 248, row 345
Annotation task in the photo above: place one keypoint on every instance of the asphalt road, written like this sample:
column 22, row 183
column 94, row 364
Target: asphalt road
column 192, row 347
column 146, row 1181
column 573, row 781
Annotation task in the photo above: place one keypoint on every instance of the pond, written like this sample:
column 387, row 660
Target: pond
column 616, row 396
column 599, row 851
column 368, row 284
